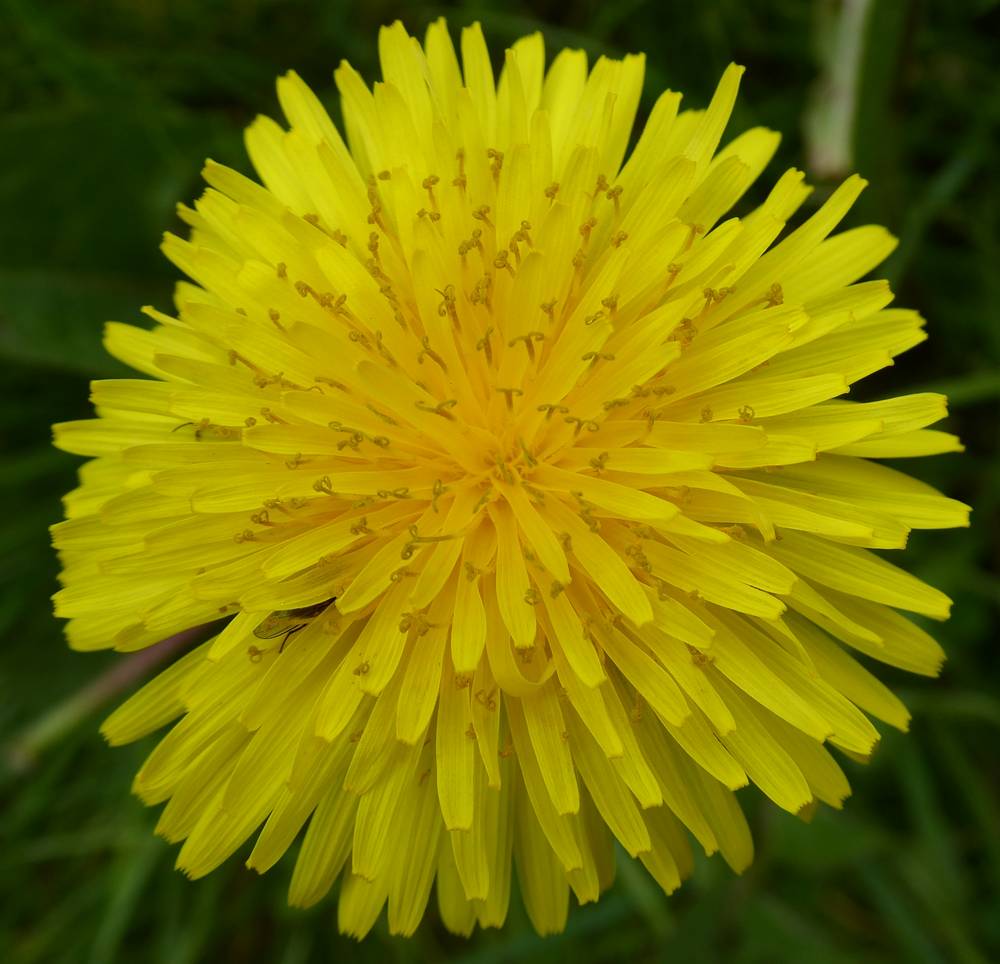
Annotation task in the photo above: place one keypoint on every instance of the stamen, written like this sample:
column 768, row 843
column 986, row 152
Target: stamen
column 496, row 157
column 528, row 339
column 551, row 409
column 483, row 345
column 600, row 463
column 502, row 261
column 580, row 423
column 332, row 382
column 372, row 267
column 439, row 489
column 324, row 484
column 263, row 381
column 537, row 495
column 587, row 514
column 460, row 181
column 521, row 234
column 618, row 239
column 487, row 699
column 475, row 241
column 482, row 214
column 552, row 190
column 385, row 418
column 696, row 229
column 353, row 442
column 715, row 295
column 447, row 306
column 417, row 537
column 509, row 394
column 549, row 307
column 746, row 414
column 440, row 409
column 638, row 557
column 684, row 332
column 384, row 351
column 375, row 217
column 528, row 457
column 595, row 356
column 430, row 353
column 481, row 291
column 484, row 499
column 504, row 469
column 428, row 184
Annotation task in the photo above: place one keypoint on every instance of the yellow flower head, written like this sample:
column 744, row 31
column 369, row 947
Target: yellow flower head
column 523, row 476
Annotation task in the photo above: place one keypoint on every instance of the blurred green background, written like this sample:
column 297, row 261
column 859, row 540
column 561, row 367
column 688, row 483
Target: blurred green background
column 107, row 110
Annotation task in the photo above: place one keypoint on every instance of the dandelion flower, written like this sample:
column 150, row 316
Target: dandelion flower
column 524, row 478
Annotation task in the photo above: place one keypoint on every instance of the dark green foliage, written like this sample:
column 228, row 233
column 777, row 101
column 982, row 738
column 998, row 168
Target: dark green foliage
column 106, row 112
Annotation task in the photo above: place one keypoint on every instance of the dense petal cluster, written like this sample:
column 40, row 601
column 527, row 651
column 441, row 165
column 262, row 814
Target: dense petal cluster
column 523, row 476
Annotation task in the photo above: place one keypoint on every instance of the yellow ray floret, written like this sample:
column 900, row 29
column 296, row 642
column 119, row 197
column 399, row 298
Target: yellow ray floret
column 524, row 479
